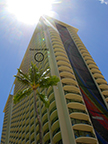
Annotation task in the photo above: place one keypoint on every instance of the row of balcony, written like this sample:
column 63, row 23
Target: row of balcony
column 99, row 78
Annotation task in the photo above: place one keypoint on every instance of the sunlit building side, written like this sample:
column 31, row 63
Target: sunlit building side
column 78, row 104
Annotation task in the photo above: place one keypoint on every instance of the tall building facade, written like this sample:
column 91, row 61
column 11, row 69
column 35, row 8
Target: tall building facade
column 78, row 104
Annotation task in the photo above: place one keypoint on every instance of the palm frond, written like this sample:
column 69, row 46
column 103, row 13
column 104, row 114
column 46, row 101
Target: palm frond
column 21, row 94
column 34, row 74
column 22, row 74
column 22, row 80
column 45, row 82
column 44, row 99
column 45, row 73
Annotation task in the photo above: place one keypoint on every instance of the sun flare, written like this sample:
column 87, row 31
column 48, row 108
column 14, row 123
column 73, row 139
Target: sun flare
column 29, row 11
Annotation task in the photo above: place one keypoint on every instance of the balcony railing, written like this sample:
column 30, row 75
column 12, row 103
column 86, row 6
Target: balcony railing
column 76, row 110
column 50, row 92
column 47, row 130
column 72, row 100
column 46, row 120
column 54, row 108
column 56, row 131
column 78, row 121
column 44, row 112
column 52, row 100
column 79, row 133
column 55, row 119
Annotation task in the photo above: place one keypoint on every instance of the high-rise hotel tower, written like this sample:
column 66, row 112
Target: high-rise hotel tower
column 78, row 104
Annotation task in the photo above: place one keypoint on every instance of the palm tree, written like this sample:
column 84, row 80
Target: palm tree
column 32, row 80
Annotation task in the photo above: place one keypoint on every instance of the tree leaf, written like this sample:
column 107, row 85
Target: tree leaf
column 44, row 99
column 21, row 94
column 45, row 82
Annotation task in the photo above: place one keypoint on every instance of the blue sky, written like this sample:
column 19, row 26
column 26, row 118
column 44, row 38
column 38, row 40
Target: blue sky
column 89, row 16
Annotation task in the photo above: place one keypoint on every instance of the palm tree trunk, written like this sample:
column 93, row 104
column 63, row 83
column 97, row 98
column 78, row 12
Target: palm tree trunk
column 40, row 127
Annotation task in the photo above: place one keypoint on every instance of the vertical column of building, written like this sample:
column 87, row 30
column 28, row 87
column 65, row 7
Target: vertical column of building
column 49, row 117
column 93, row 68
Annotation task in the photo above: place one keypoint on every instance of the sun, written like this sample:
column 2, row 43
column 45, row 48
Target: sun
column 29, row 11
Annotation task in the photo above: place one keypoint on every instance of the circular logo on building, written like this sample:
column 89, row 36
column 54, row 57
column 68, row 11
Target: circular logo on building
column 39, row 57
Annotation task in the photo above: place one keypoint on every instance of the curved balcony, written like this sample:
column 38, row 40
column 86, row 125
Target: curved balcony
column 49, row 91
column 86, row 140
column 53, row 99
column 82, row 48
column 56, row 43
column 55, row 38
column 86, row 54
column 55, row 125
column 59, row 49
column 45, row 111
column 94, row 70
column 46, row 136
column 72, row 89
column 92, row 66
column 88, row 58
column 97, row 75
column 32, row 141
column 31, row 131
column 37, row 132
column 63, row 63
column 53, row 109
column 32, row 120
column 101, row 80
column 105, row 92
column 51, row 96
column 53, row 114
column 79, row 44
column 46, row 131
column 28, row 114
column 44, row 117
column 90, row 62
column 45, row 126
column 103, row 86
column 54, row 120
column 23, row 127
column 66, row 74
column 47, row 141
column 106, row 99
column 73, row 96
column 27, row 135
column 62, row 58
column 83, row 127
column 37, row 137
column 65, row 68
column 59, row 46
column 74, row 100
column 53, row 104
column 32, row 136
column 81, row 133
column 37, row 127
column 60, row 54
column 56, row 135
column 84, row 51
column 27, row 127
column 43, row 108
column 79, row 115
column 45, row 121
column 31, row 114
column 79, row 121
column 76, row 111
column 69, row 81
